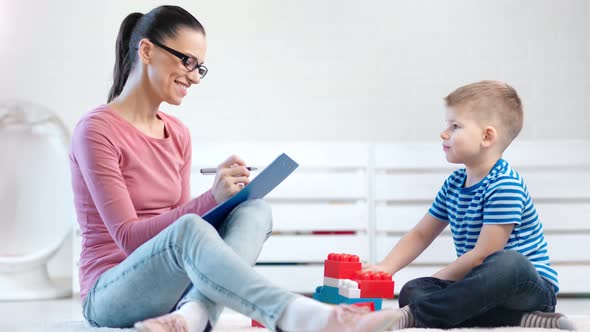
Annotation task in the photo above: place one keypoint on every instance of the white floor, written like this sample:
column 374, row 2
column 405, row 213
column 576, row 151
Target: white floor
column 48, row 315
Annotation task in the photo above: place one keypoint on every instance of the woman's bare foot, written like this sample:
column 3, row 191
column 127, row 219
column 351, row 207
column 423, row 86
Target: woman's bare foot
column 172, row 322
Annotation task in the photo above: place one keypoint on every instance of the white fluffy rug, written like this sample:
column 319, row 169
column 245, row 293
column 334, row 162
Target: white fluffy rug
column 239, row 323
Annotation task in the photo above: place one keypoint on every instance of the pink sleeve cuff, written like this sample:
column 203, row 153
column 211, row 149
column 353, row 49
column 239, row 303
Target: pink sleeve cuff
column 204, row 203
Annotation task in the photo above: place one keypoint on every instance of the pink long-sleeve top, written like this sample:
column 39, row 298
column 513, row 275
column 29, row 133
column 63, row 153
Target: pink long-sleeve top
column 127, row 187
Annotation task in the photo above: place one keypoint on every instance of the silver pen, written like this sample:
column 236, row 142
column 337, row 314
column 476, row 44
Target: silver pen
column 208, row 171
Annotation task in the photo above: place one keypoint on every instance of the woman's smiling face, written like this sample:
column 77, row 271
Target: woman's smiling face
column 168, row 76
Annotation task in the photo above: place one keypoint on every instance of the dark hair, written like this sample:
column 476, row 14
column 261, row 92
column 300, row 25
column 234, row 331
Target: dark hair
column 160, row 23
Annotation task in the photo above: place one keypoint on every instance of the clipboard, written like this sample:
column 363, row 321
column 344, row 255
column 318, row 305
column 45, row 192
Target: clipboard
column 260, row 186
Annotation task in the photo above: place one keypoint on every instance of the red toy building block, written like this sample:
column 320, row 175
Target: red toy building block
column 256, row 324
column 342, row 266
column 375, row 285
column 369, row 305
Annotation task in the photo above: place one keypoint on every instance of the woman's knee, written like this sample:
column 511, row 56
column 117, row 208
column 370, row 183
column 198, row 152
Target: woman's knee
column 265, row 212
column 192, row 224
column 258, row 210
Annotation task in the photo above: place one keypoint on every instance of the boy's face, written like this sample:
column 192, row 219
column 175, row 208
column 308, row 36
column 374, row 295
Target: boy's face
column 463, row 136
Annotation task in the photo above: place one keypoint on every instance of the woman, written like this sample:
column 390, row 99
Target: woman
column 148, row 259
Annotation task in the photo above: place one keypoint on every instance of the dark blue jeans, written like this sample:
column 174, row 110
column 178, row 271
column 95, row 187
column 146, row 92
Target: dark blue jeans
column 495, row 293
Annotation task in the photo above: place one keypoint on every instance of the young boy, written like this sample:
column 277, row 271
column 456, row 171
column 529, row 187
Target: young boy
column 502, row 275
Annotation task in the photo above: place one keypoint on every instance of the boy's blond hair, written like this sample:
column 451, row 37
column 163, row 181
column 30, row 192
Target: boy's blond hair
column 492, row 101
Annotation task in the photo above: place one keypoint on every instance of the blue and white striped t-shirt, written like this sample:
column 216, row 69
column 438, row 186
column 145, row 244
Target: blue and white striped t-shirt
column 500, row 198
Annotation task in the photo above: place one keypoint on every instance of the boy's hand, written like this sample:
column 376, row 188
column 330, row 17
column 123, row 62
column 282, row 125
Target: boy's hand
column 375, row 268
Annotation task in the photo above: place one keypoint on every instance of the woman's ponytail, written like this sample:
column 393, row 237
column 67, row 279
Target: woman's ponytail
column 124, row 57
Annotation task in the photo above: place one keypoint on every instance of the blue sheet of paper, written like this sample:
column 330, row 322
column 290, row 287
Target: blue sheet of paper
column 260, row 186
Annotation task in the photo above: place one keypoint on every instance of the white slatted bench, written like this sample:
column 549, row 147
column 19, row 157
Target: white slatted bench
column 377, row 192
column 327, row 193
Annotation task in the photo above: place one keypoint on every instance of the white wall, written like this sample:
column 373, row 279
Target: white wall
column 319, row 70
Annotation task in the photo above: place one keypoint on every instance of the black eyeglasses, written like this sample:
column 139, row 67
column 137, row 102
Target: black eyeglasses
column 188, row 61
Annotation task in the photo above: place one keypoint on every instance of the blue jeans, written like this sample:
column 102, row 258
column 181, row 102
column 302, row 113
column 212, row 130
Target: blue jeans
column 191, row 261
column 495, row 293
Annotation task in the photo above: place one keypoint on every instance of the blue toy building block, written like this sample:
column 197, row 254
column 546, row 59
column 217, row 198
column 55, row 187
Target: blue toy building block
column 327, row 294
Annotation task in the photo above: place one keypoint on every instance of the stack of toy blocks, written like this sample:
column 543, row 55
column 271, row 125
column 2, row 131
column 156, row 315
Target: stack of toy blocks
column 345, row 283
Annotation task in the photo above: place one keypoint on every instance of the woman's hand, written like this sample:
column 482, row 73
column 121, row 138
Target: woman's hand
column 232, row 175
